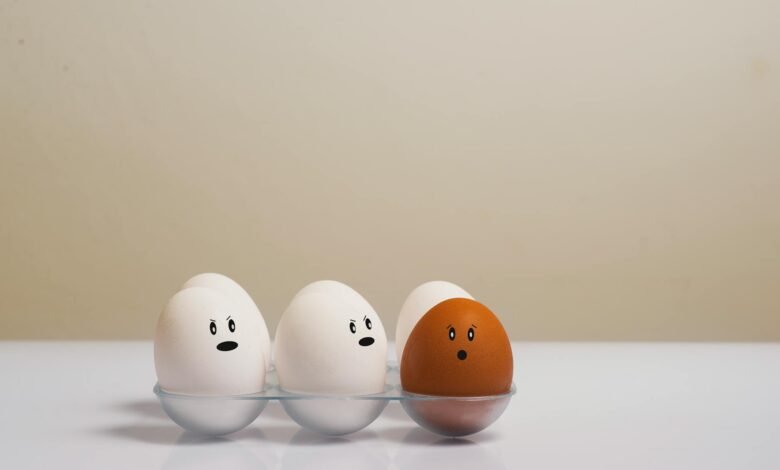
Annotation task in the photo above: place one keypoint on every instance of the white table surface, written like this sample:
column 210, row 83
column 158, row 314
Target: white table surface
column 579, row 406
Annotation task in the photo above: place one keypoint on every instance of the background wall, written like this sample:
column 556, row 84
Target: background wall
column 590, row 170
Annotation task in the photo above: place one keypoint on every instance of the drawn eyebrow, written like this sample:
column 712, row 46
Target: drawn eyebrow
column 364, row 317
column 211, row 319
column 228, row 318
column 352, row 321
column 449, row 326
column 474, row 325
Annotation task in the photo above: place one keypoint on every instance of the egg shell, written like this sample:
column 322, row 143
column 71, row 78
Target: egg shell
column 316, row 351
column 233, row 291
column 441, row 359
column 417, row 304
column 186, row 354
column 340, row 289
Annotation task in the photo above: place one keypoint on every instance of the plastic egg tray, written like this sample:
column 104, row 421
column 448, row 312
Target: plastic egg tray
column 333, row 414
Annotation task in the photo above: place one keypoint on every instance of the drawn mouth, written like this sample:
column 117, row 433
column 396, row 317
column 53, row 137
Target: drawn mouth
column 462, row 355
column 367, row 341
column 227, row 345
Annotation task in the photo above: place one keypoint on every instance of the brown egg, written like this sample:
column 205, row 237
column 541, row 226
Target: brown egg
column 458, row 348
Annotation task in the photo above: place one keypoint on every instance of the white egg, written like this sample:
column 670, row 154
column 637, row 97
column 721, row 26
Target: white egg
column 206, row 344
column 233, row 291
column 420, row 300
column 326, row 344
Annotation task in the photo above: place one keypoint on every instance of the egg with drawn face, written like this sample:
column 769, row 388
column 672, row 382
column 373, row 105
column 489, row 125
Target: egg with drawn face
column 328, row 344
column 206, row 344
column 417, row 304
column 458, row 348
column 253, row 319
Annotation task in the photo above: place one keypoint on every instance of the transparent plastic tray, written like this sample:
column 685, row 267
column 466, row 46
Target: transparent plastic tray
column 333, row 414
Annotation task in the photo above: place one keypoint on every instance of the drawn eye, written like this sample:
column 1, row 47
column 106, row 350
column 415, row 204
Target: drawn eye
column 368, row 323
column 232, row 325
column 352, row 327
column 213, row 328
column 471, row 334
column 452, row 334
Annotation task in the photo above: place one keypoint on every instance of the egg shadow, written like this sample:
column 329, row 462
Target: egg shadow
column 309, row 450
column 174, row 435
column 421, row 449
column 305, row 438
column 143, row 408
column 395, row 434
column 189, row 452
column 414, row 435
column 417, row 436
column 148, row 433
column 261, row 432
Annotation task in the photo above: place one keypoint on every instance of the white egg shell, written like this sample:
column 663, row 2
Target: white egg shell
column 339, row 289
column 317, row 351
column 417, row 303
column 233, row 291
column 194, row 349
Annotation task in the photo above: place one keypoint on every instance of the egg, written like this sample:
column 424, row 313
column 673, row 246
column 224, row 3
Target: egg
column 329, row 344
column 419, row 301
column 234, row 292
column 458, row 348
column 339, row 289
column 206, row 344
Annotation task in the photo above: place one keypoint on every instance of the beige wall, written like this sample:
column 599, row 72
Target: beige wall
column 590, row 170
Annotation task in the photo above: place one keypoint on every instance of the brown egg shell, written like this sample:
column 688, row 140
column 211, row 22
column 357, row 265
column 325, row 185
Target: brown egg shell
column 434, row 363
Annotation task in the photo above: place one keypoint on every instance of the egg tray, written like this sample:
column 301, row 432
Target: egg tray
column 333, row 414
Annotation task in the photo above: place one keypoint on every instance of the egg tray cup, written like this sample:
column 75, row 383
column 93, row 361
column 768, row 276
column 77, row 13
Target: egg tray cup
column 333, row 415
